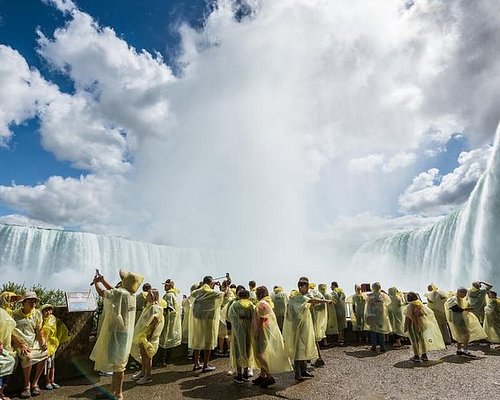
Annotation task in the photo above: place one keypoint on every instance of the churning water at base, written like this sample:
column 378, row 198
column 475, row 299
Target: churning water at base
column 463, row 247
column 67, row 260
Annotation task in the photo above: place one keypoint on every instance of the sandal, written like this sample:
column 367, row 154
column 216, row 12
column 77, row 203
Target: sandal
column 25, row 394
column 35, row 391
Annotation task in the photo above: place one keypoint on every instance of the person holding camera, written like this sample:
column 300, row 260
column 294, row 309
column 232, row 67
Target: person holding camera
column 477, row 298
column 204, row 321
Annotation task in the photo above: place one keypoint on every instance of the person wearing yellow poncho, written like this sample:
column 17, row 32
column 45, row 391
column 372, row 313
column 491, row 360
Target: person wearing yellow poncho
column 464, row 325
column 225, row 328
column 298, row 329
column 267, row 342
column 492, row 318
column 280, row 300
column 377, row 316
column 320, row 318
column 171, row 336
column 186, row 309
column 357, row 303
column 56, row 333
column 146, row 337
column 422, row 328
column 395, row 312
column 204, row 322
column 338, row 298
column 239, row 314
column 435, row 301
column 332, row 326
column 7, row 354
column 7, row 301
column 29, row 330
column 141, row 300
column 477, row 298
column 112, row 348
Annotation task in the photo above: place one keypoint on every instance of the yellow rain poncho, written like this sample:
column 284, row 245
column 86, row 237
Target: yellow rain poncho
column 298, row 330
column 280, row 300
column 492, row 320
column 395, row 311
column 27, row 326
column 423, row 330
column 319, row 314
column 357, row 304
column 171, row 336
column 6, row 299
column 147, row 332
column 464, row 326
column 226, row 303
column 332, row 327
column 7, row 356
column 114, row 342
column 186, row 307
column 240, row 314
column 56, row 333
column 338, row 298
column 204, row 318
column 376, row 314
column 267, row 341
column 477, row 300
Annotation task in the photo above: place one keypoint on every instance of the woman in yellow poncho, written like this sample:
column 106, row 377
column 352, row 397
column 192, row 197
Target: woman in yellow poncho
column 112, row 348
column 29, row 330
column 56, row 333
column 224, row 333
column 7, row 301
column 377, row 316
column 435, row 301
column 204, row 322
column 320, row 319
column 280, row 300
column 239, row 314
column 267, row 342
column 147, row 336
column 395, row 312
column 7, row 354
column 338, row 297
column 332, row 326
column 492, row 318
column 464, row 325
column 357, row 303
column 171, row 336
column 422, row 328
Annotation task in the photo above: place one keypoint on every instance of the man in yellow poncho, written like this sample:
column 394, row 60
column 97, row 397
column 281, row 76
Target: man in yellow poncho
column 377, row 316
column 267, row 342
column 112, row 348
column 464, row 325
column 435, row 301
column 396, row 318
column 280, row 300
column 171, row 336
column 298, row 329
column 204, row 322
column 357, row 303
column 320, row 318
column 240, row 313
column 7, row 301
column 146, row 337
column 29, row 330
column 422, row 329
column 332, row 326
column 492, row 318
column 56, row 333
column 338, row 297
column 477, row 298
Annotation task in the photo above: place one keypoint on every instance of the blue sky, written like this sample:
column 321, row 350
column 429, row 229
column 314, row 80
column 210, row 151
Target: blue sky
column 255, row 114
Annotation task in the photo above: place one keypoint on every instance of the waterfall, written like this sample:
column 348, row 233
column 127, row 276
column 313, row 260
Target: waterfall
column 67, row 260
column 462, row 247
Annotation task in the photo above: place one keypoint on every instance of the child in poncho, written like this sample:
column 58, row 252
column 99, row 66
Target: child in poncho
column 422, row 328
column 56, row 333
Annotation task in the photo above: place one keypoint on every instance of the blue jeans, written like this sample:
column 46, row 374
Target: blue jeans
column 377, row 338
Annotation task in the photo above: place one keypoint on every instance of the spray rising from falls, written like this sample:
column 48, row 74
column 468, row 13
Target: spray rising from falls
column 455, row 251
column 67, row 260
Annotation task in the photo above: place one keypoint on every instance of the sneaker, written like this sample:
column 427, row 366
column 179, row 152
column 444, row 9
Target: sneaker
column 415, row 359
column 137, row 376
column 55, row 386
column 319, row 363
column 258, row 380
column 230, row 373
column 250, row 372
column 144, row 380
column 238, row 380
column 460, row 353
column 299, row 377
column 424, row 357
column 103, row 373
column 467, row 354
column 218, row 353
column 197, row 367
column 49, row 386
column 267, row 382
column 306, row 374
column 208, row 368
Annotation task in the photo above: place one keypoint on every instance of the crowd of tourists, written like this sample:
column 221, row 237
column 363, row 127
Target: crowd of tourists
column 270, row 331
